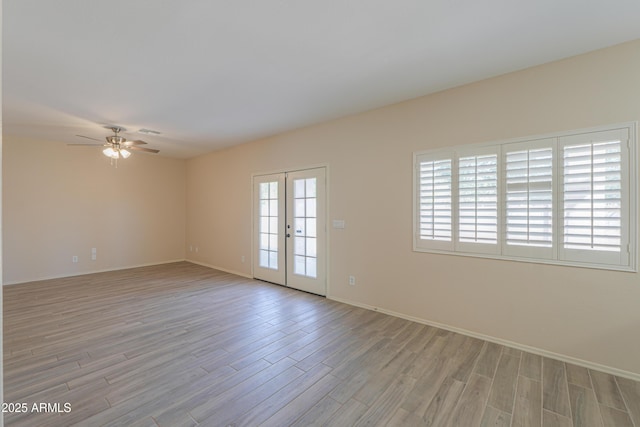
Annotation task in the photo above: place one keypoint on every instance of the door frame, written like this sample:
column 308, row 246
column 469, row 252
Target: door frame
column 326, row 214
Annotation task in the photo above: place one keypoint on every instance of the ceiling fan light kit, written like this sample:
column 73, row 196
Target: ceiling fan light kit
column 116, row 154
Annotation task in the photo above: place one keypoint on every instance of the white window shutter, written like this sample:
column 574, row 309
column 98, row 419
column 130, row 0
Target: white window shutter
column 434, row 199
column 477, row 215
column 567, row 199
column 595, row 193
column 528, row 206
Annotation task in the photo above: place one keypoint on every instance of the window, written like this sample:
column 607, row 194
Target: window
column 566, row 199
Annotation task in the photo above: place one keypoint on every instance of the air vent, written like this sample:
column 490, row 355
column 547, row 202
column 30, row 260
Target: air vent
column 149, row 132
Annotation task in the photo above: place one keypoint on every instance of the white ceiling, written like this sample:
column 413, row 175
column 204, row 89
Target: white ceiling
column 212, row 73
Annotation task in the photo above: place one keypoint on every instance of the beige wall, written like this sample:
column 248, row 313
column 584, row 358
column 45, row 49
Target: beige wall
column 1, row 265
column 61, row 201
column 586, row 314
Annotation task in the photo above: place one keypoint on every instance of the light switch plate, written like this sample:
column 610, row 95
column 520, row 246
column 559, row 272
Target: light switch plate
column 338, row 223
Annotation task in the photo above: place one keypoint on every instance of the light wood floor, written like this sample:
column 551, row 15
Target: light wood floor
column 181, row 344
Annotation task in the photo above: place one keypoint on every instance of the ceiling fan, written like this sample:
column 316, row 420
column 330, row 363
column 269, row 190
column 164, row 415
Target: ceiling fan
column 118, row 146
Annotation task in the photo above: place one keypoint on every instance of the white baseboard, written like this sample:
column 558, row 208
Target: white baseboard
column 204, row 264
column 541, row 352
column 82, row 273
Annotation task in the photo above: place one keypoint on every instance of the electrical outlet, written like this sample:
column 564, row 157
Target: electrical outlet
column 94, row 254
column 242, row 259
column 74, row 258
column 191, row 248
column 352, row 280
column 196, row 249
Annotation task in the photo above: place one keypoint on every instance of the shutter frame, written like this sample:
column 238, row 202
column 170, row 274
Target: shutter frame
column 434, row 201
column 585, row 234
column 529, row 208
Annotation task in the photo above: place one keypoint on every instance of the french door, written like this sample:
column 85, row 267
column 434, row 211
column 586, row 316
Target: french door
column 290, row 229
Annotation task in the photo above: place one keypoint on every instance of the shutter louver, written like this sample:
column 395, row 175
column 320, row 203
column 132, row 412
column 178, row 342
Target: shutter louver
column 435, row 200
column 592, row 196
column 478, row 199
column 529, row 197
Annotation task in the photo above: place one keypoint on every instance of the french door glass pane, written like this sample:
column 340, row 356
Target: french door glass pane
column 311, row 188
column 311, row 267
column 311, row 227
column 304, row 212
column 264, row 258
column 311, row 208
column 298, row 189
column 299, row 265
column 268, row 232
column 311, row 247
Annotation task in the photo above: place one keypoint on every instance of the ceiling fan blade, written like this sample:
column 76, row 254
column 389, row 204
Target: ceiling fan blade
column 137, row 142
column 87, row 144
column 148, row 150
column 88, row 137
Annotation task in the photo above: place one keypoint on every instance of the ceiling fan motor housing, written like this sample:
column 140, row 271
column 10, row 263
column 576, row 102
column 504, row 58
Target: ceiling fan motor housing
column 115, row 139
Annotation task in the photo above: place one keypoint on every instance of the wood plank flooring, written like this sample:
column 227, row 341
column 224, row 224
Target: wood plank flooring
column 182, row 345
